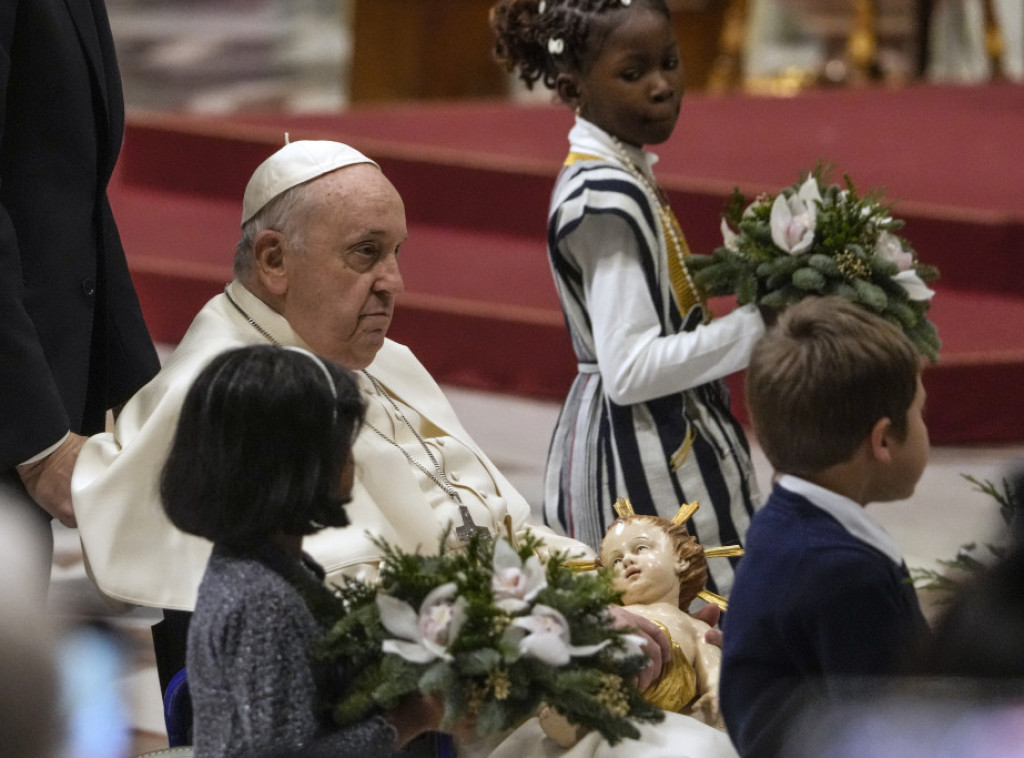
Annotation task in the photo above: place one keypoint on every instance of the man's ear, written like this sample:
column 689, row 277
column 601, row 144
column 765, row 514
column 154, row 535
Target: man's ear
column 269, row 261
column 879, row 441
column 568, row 88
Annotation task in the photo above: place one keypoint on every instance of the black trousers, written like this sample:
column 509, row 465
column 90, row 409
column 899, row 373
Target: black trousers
column 169, row 639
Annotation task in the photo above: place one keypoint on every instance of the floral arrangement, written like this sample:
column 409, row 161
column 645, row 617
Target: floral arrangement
column 812, row 239
column 493, row 631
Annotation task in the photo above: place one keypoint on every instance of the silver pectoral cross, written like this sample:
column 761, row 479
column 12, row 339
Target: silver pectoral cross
column 469, row 527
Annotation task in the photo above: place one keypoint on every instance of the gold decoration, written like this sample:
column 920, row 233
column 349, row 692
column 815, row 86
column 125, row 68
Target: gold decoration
column 994, row 43
column 511, row 532
column 726, row 551
column 498, row 681
column 579, row 566
column 727, row 69
column 862, row 44
column 501, row 622
column 852, row 266
column 623, row 507
column 680, row 455
column 677, row 686
column 685, row 512
column 710, row 597
column 611, row 695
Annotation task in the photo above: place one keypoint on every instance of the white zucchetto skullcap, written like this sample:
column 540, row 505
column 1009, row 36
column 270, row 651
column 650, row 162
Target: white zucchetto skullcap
column 293, row 164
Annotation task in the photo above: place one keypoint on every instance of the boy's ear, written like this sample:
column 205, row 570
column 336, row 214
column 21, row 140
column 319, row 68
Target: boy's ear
column 269, row 260
column 568, row 88
column 880, row 441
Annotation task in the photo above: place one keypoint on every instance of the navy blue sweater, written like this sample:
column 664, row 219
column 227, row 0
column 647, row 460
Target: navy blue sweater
column 810, row 602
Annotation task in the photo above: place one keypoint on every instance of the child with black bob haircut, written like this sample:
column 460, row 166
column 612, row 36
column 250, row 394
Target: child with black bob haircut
column 262, row 457
column 822, row 594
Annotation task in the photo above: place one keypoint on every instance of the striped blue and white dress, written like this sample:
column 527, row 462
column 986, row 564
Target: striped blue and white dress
column 647, row 416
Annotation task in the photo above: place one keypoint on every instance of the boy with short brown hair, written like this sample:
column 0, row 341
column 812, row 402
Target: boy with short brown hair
column 836, row 401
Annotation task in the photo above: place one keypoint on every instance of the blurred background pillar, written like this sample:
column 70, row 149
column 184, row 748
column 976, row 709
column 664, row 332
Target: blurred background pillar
column 422, row 49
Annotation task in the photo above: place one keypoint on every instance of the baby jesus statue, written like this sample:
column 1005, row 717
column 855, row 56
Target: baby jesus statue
column 661, row 569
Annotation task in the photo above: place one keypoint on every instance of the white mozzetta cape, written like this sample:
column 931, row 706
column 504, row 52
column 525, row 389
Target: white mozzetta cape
column 135, row 555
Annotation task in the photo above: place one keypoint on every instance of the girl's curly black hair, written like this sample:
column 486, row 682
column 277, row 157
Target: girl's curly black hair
column 524, row 30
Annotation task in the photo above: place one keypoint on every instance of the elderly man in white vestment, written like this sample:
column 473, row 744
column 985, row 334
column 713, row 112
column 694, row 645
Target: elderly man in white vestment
column 316, row 267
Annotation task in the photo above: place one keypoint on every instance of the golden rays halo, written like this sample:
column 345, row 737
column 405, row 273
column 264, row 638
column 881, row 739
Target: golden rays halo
column 624, row 509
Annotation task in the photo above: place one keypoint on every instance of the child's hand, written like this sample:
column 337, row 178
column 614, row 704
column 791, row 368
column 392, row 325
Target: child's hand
column 710, row 614
column 414, row 716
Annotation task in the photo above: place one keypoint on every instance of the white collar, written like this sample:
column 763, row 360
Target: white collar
column 274, row 323
column 851, row 516
column 590, row 139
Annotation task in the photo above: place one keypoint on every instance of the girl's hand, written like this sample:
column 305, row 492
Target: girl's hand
column 414, row 716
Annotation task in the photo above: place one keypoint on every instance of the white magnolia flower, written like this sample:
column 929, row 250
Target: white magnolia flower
column 729, row 237
column 793, row 218
column 914, row 285
column 633, row 644
column 424, row 636
column 547, row 637
column 889, row 248
column 515, row 582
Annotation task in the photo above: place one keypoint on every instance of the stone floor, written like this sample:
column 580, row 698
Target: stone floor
column 944, row 514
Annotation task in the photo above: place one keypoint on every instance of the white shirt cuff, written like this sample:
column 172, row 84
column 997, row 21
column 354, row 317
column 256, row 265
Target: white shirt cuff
column 42, row 454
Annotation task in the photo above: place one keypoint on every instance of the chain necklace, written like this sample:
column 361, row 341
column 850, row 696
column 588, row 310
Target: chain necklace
column 686, row 291
column 437, row 476
column 469, row 527
column 250, row 319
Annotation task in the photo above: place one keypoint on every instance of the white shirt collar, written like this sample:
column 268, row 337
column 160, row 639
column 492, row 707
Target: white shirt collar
column 590, row 139
column 851, row 516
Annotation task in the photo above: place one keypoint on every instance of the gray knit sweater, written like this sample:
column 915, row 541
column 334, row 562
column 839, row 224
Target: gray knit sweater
column 250, row 674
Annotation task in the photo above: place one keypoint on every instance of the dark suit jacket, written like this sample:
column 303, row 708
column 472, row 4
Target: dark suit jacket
column 72, row 339
column 812, row 608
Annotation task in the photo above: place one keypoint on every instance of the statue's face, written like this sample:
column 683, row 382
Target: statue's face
column 644, row 561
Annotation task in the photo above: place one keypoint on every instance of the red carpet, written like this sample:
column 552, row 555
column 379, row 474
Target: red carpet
column 480, row 308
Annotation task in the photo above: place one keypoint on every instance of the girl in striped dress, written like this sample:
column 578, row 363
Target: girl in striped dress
column 648, row 415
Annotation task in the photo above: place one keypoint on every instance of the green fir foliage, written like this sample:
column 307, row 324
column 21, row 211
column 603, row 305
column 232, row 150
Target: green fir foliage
column 853, row 254
column 948, row 578
column 483, row 676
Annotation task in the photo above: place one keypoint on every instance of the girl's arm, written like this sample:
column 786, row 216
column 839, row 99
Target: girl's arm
column 274, row 682
column 636, row 362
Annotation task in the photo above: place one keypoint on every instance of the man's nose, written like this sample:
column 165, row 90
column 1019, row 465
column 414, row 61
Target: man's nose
column 389, row 277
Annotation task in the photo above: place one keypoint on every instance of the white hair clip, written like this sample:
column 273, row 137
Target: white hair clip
column 556, row 45
column 543, row 6
column 626, row 2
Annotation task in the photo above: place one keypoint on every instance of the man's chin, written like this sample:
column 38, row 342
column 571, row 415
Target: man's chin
column 365, row 349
